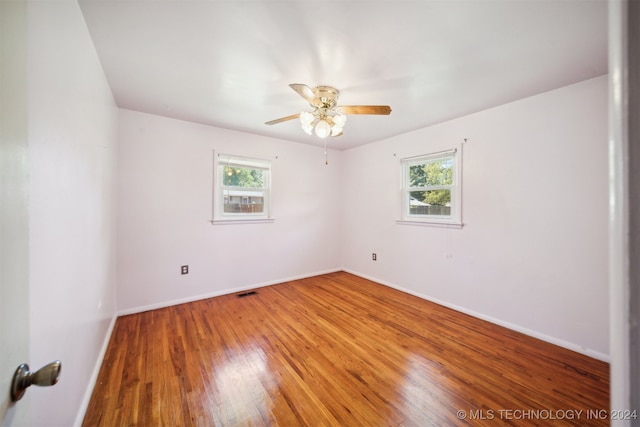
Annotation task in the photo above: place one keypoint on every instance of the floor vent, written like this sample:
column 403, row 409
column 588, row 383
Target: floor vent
column 246, row 294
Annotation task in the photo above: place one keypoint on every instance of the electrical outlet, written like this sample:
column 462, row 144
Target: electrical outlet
column 374, row 256
column 184, row 269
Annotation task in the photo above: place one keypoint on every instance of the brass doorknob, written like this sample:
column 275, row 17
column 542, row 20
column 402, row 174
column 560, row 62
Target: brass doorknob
column 23, row 378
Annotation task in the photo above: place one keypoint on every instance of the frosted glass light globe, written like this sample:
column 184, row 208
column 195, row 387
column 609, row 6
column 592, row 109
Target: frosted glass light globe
column 323, row 129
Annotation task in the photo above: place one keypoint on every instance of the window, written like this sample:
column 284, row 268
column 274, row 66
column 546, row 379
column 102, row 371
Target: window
column 431, row 191
column 242, row 188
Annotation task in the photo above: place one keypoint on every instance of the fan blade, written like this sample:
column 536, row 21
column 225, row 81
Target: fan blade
column 366, row 109
column 283, row 119
column 303, row 90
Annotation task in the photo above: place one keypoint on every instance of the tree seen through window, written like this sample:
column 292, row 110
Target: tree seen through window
column 243, row 177
column 435, row 173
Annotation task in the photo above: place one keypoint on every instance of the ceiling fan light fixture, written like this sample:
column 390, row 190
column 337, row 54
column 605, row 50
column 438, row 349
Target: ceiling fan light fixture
column 306, row 117
column 338, row 123
column 323, row 129
column 308, row 129
column 340, row 119
column 306, row 121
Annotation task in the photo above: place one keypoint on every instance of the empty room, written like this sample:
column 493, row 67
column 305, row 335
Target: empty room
column 289, row 213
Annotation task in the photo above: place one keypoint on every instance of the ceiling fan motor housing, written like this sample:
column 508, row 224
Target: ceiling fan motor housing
column 325, row 97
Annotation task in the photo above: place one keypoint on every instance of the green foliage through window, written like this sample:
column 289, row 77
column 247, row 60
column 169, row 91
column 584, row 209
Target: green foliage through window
column 435, row 173
column 242, row 177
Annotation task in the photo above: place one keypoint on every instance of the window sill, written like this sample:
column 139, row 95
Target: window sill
column 430, row 223
column 242, row 221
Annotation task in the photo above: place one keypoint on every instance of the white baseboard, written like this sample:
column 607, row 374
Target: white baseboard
column 220, row 293
column 544, row 337
column 94, row 375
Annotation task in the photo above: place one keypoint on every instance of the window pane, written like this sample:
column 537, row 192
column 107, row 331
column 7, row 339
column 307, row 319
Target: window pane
column 437, row 172
column 431, row 188
column 245, row 202
column 433, row 202
column 242, row 177
column 242, row 189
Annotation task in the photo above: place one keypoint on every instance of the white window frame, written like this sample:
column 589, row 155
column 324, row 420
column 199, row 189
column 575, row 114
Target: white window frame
column 222, row 161
column 455, row 217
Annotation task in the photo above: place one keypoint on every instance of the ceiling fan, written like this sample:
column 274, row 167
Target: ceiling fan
column 327, row 117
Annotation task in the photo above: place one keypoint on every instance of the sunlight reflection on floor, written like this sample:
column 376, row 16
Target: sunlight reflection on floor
column 243, row 386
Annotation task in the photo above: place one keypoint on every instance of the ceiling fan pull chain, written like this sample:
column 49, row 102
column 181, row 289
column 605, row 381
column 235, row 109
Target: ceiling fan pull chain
column 326, row 160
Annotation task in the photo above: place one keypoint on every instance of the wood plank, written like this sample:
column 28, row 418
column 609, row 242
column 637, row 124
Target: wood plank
column 336, row 350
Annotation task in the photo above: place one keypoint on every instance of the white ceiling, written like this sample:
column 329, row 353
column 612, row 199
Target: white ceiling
column 228, row 63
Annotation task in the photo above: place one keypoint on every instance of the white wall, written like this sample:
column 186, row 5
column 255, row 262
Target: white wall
column 72, row 146
column 165, row 207
column 533, row 250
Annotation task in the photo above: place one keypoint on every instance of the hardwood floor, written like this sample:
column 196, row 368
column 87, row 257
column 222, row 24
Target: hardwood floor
column 337, row 350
